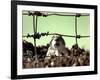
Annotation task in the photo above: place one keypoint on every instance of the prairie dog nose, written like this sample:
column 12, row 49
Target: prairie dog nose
column 56, row 39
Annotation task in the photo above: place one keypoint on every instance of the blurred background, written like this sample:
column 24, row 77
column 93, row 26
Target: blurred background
column 59, row 24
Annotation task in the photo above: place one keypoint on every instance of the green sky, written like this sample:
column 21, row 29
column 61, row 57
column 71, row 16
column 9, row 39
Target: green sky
column 59, row 24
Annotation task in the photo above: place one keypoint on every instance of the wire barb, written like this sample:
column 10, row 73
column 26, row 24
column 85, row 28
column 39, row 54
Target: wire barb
column 39, row 35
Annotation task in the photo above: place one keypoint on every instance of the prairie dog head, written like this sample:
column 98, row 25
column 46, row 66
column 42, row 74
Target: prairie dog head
column 57, row 41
